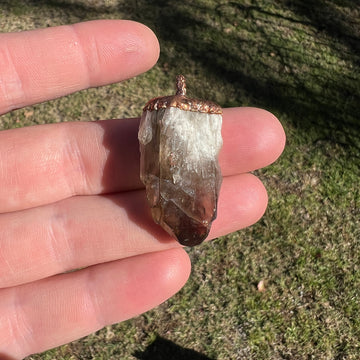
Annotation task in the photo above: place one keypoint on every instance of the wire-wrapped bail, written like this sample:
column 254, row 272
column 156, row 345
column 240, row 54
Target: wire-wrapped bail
column 182, row 102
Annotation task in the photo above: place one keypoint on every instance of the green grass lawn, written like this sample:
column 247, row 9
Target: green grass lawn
column 299, row 59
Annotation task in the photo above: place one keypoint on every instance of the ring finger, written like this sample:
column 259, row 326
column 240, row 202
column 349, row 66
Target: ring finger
column 86, row 230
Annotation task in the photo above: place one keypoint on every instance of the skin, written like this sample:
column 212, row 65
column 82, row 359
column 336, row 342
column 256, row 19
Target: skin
column 70, row 193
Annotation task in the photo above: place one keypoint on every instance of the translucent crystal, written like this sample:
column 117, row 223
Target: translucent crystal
column 179, row 167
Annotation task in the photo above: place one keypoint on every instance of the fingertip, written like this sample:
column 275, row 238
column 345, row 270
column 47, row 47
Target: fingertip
column 247, row 197
column 253, row 138
column 243, row 201
column 259, row 201
column 143, row 43
column 150, row 40
column 273, row 137
column 151, row 279
column 116, row 50
column 176, row 269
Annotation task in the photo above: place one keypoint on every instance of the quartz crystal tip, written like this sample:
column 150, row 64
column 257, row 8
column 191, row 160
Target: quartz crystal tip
column 180, row 139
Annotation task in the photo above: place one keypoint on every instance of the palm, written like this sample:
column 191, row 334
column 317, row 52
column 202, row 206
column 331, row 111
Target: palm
column 70, row 194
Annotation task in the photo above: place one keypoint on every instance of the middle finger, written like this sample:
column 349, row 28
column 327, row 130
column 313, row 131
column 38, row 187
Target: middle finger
column 43, row 164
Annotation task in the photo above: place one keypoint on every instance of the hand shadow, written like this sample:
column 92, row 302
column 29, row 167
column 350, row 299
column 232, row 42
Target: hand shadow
column 124, row 169
column 121, row 178
column 6, row 357
column 162, row 349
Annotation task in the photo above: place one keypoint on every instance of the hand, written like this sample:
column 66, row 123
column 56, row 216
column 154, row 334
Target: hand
column 70, row 195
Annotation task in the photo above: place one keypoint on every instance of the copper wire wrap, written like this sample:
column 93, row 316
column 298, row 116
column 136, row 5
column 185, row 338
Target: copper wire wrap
column 182, row 102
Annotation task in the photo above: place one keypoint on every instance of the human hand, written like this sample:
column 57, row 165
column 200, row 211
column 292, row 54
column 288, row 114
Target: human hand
column 70, row 194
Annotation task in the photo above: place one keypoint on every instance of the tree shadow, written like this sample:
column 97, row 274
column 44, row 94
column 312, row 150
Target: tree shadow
column 76, row 9
column 162, row 349
column 266, row 67
column 261, row 52
column 326, row 16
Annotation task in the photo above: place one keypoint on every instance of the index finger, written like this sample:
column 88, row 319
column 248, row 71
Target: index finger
column 48, row 63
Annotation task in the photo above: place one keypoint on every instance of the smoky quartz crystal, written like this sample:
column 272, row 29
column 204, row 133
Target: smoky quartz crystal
column 180, row 139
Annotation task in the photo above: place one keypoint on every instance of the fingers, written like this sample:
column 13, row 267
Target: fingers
column 253, row 138
column 86, row 230
column 43, row 164
column 57, row 310
column 44, row 64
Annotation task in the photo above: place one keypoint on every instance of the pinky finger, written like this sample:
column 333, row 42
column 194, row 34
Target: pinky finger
column 54, row 311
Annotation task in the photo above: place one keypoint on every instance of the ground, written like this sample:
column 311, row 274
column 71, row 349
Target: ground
column 299, row 59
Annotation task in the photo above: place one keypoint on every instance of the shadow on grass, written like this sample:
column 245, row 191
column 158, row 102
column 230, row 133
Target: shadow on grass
column 279, row 58
column 297, row 58
column 263, row 55
column 76, row 9
column 162, row 349
column 325, row 16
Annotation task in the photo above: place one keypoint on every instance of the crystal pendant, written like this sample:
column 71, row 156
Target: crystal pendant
column 180, row 139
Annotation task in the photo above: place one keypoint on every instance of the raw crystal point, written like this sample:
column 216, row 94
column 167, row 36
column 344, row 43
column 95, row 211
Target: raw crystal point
column 180, row 139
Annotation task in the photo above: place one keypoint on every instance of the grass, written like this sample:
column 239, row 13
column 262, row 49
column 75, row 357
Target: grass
column 300, row 60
